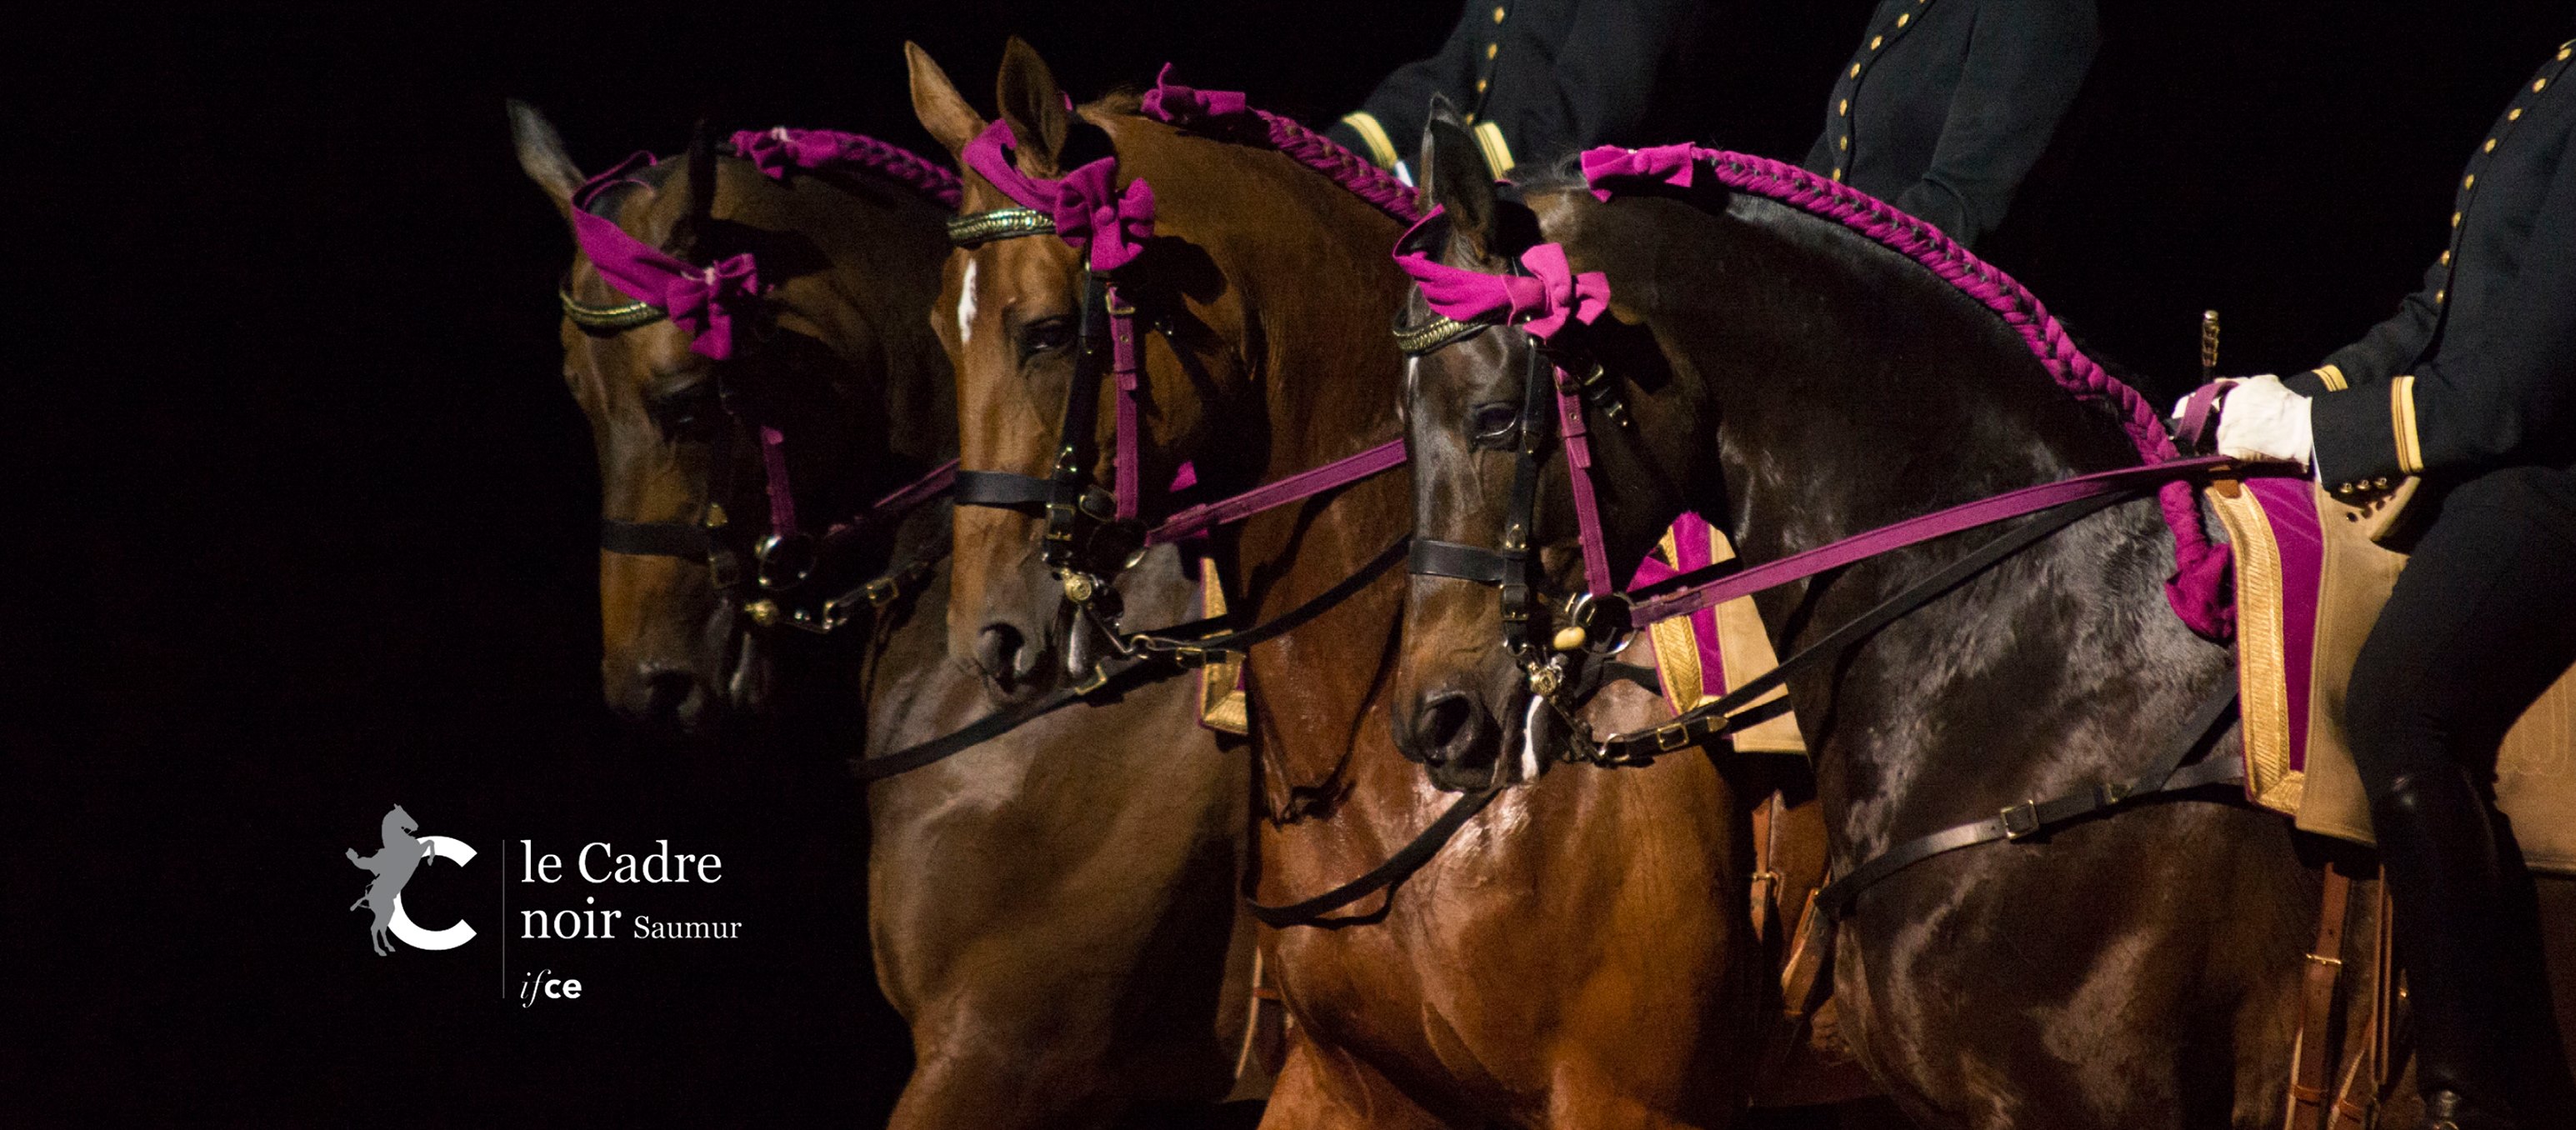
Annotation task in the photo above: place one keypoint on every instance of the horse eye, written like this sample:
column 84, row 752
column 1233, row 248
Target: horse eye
column 1045, row 337
column 1493, row 423
column 691, row 413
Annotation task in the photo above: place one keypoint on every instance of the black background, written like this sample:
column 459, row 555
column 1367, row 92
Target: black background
column 311, row 515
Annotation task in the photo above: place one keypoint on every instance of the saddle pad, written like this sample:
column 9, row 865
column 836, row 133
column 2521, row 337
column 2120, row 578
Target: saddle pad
column 1710, row 650
column 2309, row 585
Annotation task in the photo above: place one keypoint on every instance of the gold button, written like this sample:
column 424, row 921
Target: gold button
column 2490, row 146
column 1855, row 71
column 1498, row 13
column 2440, row 296
column 2380, row 483
column 2455, row 217
column 1875, row 41
column 2537, row 83
column 2562, row 54
column 2470, row 181
column 1480, row 86
column 2446, row 258
column 1838, row 172
column 1490, row 48
column 1904, row 18
column 2513, row 115
column 1846, row 142
column 1845, row 108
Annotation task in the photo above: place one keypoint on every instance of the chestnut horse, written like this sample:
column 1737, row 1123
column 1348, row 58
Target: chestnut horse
column 1509, row 982
column 1052, row 913
column 1807, row 383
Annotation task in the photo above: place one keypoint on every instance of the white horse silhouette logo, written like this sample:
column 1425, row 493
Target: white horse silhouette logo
column 393, row 864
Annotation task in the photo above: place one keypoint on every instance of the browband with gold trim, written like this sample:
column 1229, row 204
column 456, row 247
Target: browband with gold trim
column 625, row 316
column 1001, row 223
column 1439, row 330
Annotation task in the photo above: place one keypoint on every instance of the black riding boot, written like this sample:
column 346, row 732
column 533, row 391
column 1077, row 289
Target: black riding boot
column 2447, row 890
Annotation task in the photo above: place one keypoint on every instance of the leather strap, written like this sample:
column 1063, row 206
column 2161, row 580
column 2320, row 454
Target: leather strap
column 2314, row 1057
column 1002, row 490
column 1110, row 679
column 1339, row 473
column 1396, row 869
column 685, row 540
column 1434, row 558
column 2031, row 817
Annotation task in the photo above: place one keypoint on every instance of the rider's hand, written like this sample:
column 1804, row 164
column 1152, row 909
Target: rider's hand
column 2261, row 419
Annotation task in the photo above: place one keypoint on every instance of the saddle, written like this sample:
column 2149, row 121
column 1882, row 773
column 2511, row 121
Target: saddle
column 2311, row 576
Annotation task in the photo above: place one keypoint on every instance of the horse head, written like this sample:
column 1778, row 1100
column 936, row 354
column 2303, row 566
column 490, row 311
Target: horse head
column 398, row 824
column 783, row 380
column 1497, row 561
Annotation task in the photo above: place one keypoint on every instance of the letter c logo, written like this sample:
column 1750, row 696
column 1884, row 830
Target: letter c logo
column 439, row 847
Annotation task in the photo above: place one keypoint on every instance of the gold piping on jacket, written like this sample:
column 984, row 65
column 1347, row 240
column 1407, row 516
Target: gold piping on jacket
column 2401, row 416
column 1372, row 134
column 2332, row 375
column 1498, row 155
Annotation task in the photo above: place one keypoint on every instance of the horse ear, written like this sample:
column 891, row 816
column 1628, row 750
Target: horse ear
column 1455, row 178
column 1031, row 101
column 697, row 218
column 542, row 156
column 935, row 100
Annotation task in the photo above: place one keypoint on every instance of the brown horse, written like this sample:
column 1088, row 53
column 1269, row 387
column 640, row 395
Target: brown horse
column 1052, row 912
column 2139, row 969
column 1510, row 982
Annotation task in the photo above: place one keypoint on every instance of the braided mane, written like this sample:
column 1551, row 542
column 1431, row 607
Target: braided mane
column 2197, row 592
column 1225, row 114
column 777, row 150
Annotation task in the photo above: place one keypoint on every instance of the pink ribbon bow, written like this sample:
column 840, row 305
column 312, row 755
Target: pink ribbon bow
column 1090, row 209
column 703, row 302
column 1540, row 302
column 1670, row 164
column 1180, row 105
column 777, row 151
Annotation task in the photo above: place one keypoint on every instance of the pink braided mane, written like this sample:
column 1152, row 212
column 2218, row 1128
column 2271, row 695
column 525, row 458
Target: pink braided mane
column 2197, row 591
column 777, row 150
column 1224, row 112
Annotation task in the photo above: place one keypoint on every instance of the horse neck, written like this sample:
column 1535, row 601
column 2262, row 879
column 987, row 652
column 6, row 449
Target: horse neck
column 1307, row 262
column 885, row 247
column 1850, row 388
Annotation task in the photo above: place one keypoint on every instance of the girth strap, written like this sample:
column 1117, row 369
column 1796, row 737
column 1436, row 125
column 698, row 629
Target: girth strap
column 1002, row 489
column 2030, row 817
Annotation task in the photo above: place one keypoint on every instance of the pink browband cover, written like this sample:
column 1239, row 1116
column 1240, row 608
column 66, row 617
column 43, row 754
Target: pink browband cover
column 699, row 300
column 2198, row 590
column 1085, row 204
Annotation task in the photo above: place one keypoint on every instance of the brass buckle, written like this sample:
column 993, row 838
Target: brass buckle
column 2020, row 819
column 1672, row 736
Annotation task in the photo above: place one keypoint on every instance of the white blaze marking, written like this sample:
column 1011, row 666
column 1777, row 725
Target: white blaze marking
column 966, row 306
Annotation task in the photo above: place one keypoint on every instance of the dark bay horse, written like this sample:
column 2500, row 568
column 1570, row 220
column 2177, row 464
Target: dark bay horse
column 1052, row 913
column 1800, row 383
column 1579, row 956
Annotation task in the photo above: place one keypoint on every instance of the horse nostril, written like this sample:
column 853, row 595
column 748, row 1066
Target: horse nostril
column 1448, row 726
column 1002, row 652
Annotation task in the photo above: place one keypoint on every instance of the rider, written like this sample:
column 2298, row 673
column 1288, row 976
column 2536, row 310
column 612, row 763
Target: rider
column 1539, row 79
column 2467, row 386
column 1948, row 104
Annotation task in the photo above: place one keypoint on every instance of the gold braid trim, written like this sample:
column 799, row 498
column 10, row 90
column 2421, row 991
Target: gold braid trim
column 1372, row 133
column 1417, row 340
column 2401, row 416
column 622, row 317
column 1001, row 223
column 2333, row 377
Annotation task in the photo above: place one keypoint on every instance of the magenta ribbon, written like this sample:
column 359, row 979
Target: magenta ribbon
column 699, row 300
column 1668, row 164
column 1090, row 209
column 1540, row 302
column 1087, row 209
column 780, row 151
column 1181, row 105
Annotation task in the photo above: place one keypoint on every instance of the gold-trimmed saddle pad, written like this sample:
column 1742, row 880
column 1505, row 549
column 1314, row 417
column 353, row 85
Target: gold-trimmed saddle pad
column 1702, row 654
column 2309, row 585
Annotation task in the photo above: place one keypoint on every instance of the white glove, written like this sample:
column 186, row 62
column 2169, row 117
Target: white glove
column 2261, row 419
